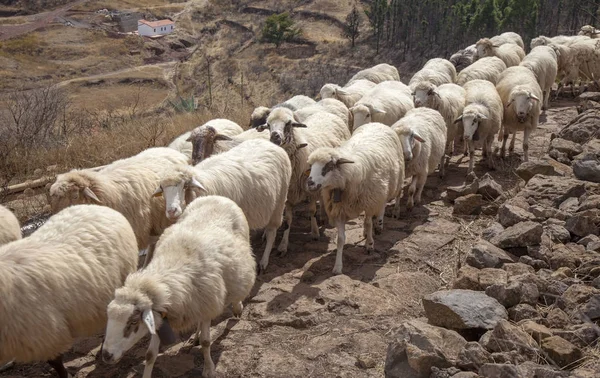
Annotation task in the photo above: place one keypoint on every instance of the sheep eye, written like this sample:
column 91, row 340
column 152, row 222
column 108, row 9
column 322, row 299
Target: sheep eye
column 307, row 172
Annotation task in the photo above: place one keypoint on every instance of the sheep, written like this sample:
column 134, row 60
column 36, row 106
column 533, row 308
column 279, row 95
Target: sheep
column 520, row 94
column 255, row 175
column 481, row 118
column 348, row 94
column 589, row 30
column 377, row 74
column 183, row 143
column 484, row 69
column 463, row 58
column 10, row 230
column 449, row 100
column 260, row 114
column 207, row 142
column 203, row 263
column 328, row 105
column 510, row 54
column 578, row 60
column 437, row 71
column 299, row 140
column 508, row 37
column 565, row 40
column 361, row 175
column 422, row 133
column 543, row 62
column 125, row 185
column 386, row 103
column 55, row 284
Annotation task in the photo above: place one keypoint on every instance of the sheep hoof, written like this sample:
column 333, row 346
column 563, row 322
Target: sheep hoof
column 315, row 236
column 337, row 270
column 262, row 267
column 378, row 230
column 370, row 248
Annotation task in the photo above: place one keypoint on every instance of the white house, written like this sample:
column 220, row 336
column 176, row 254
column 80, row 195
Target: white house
column 152, row 28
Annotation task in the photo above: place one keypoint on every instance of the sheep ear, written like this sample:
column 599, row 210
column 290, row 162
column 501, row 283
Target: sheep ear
column 298, row 124
column 418, row 137
column 302, row 145
column 222, row 137
column 533, row 97
column 262, row 127
column 436, row 93
column 482, row 116
column 459, row 119
column 340, row 91
column 148, row 318
column 189, row 139
column 196, row 184
column 495, row 45
column 90, row 194
column 341, row 161
column 376, row 110
column 158, row 192
column 509, row 103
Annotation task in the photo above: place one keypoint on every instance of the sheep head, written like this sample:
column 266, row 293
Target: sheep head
column 522, row 102
column 424, row 94
column 540, row 41
column 410, row 140
column 73, row 188
column 281, row 124
column 363, row 114
column 329, row 91
column 326, row 169
column 135, row 312
column 203, row 140
column 471, row 119
column 485, row 47
column 179, row 187
column 259, row 116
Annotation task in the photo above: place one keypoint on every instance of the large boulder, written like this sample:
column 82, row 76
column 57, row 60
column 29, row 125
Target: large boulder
column 566, row 147
column 552, row 190
column 583, row 128
column 522, row 234
column 507, row 337
column 587, row 167
column 561, row 351
column 486, row 255
column 533, row 167
column 509, row 215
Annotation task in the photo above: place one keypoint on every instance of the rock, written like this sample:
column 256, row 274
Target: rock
column 551, row 191
column 553, row 291
column 543, row 212
column 554, row 221
column 508, row 357
column 582, row 226
column 589, row 202
column 568, row 255
column 499, row 371
column 592, row 308
column 489, row 188
column 588, row 239
column 509, row 215
column 520, row 235
column 491, row 276
column 516, row 269
column 466, row 374
column 463, row 309
column 485, row 255
column 561, row 351
column 558, row 234
column 593, row 246
column 532, row 370
column 366, row 361
column 443, row 373
column 514, row 293
column 467, row 278
column 507, row 337
column 566, row 147
column 490, row 209
column 468, row 205
column 582, row 335
column 534, row 167
column 581, row 129
column 421, row 346
column 178, row 365
column 590, row 370
column 570, row 205
column 522, row 311
column 530, row 278
column 562, row 273
column 596, row 282
column 576, row 295
column 537, row 331
column 556, row 318
column 587, row 167
column 454, row 192
column 472, row 356
column 493, row 230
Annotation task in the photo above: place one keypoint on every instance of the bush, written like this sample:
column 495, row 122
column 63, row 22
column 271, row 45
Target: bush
column 279, row 28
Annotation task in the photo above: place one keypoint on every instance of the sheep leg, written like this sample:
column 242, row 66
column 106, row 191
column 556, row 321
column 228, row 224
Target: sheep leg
column 368, row 225
column 471, row 146
column 151, row 355
column 421, row 179
column 396, row 213
column 504, row 140
column 271, row 232
column 410, row 203
column 379, row 224
column 209, row 366
column 7, row 366
column 526, row 133
column 442, row 165
column 283, row 246
column 196, row 339
column 341, row 240
column 487, row 148
column 511, row 149
column 314, row 226
column 238, row 307
column 59, row 367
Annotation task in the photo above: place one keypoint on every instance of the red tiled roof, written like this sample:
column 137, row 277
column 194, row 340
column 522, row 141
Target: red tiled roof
column 155, row 24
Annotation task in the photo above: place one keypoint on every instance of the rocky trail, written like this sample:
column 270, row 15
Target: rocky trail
column 521, row 259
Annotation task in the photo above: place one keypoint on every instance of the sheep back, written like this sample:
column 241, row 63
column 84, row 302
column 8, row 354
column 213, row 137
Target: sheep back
column 377, row 74
column 393, row 97
column 488, row 68
column 438, row 71
column 10, row 230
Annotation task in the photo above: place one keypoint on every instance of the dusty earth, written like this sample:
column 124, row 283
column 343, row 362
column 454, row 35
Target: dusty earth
column 301, row 321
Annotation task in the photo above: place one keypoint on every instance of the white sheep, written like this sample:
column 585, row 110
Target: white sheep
column 437, row 71
column 385, row 103
column 183, row 143
column 377, row 74
column 589, row 30
column 327, row 105
column 125, row 185
column 422, row 132
column 579, row 60
column 463, row 58
column 360, row 175
column 299, row 140
column 348, row 94
column 508, row 37
column 10, row 230
column 55, row 284
column 510, row 54
column 483, row 69
column 543, row 62
column 481, row 118
column 449, row 100
column 260, row 114
column 520, row 94
column 203, row 263
column 206, row 143
column 255, row 175
column 565, row 40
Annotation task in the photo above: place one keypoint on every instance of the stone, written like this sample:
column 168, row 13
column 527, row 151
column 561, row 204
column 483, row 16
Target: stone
column 576, row 295
column 499, row 371
column 463, row 309
column 567, row 255
column 551, row 191
column 514, row 293
column 365, row 361
column 590, row 370
column 421, row 346
column 539, row 264
column 507, row 337
column 581, row 335
column 467, row 278
column 522, row 311
column 591, row 309
column 520, row 235
column 516, row 269
column 532, row 370
column 443, row 373
column 486, row 255
column 582, row 128
column 557, row 234
column 543, row 212
column 491, row 276
column 553, row 291
column 570, row 205
column 587, row 167
column 593, row 246
column 566, row 147
column 489, row 188
column 589, row 202
column 596, row 282
column 466, row 374
column 493, row 230
column 508, row 357
column 509, row 215
column 556, row 318
column 472, row 356
column 454, row 192
column 586, row 240
column 561, row 351
column 537, row 331
column 468, row 205
column 534, row 167
column 581, row 226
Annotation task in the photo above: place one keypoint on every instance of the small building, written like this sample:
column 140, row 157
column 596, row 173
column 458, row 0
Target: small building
column 152, row 28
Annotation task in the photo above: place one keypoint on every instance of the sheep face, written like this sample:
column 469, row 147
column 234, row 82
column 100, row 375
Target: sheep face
column 281, row 124
column 71, row 189
column 259, row 116
column 539, row 41
column 423, row 96
column 411, row 142
column 178, row 195
column 362, row 114
column 326, row 173
column 203, row 140
column 470, row 123
column 484, row 48
column 522, row 103
column 328, row 91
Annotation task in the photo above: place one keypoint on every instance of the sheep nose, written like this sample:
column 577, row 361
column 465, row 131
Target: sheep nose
column 171, row 213
column 310, row 182
column 106, row 356
column 276, row 138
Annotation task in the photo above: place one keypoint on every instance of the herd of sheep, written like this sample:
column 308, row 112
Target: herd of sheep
column 191, row 205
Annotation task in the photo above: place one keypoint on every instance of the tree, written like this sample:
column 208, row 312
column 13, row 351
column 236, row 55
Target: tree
column 352, row 25
column 376, row 15
column 279, row 28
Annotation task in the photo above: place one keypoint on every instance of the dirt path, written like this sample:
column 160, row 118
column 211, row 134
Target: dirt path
column 301, row 321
